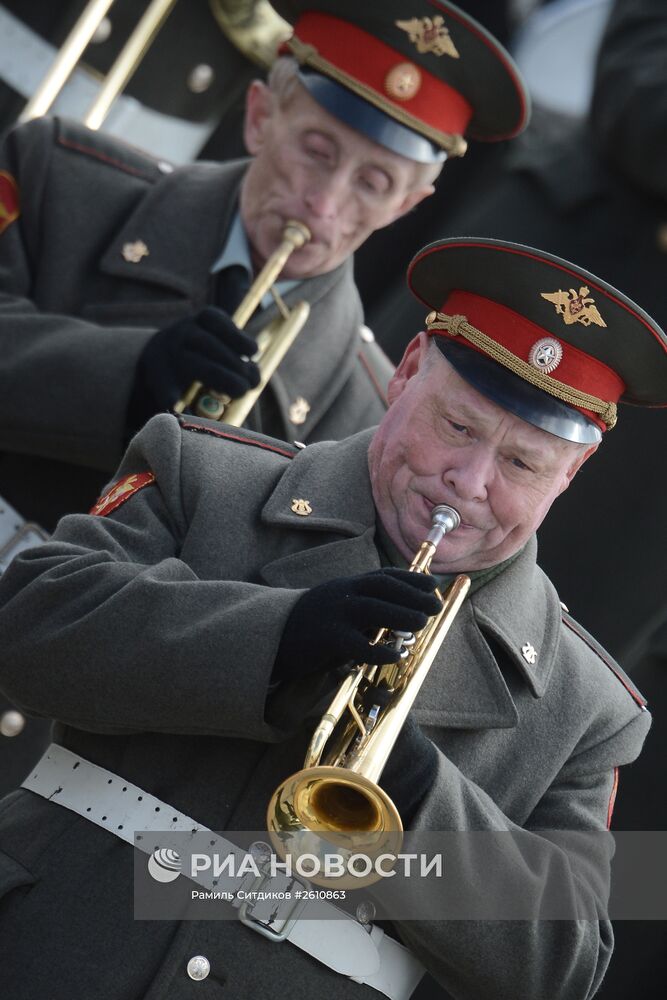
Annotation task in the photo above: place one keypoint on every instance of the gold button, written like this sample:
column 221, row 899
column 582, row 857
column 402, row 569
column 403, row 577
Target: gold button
column 200, row 78
column 198, row 968
column 11, row 723
column 661, row 237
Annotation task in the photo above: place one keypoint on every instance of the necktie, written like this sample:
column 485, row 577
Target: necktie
column 229, row 286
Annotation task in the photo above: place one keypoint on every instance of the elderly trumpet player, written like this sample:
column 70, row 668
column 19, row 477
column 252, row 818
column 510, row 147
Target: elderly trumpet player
column 182, row 634
column 119, row 274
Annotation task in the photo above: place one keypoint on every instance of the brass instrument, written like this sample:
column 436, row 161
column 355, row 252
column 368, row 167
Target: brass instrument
column 272, row 343
column 118, row 76
column 336, row 795
column 253, row 26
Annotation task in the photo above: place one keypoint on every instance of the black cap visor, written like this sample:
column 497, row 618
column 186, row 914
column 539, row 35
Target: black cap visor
column 517, row 396
column 369, row 120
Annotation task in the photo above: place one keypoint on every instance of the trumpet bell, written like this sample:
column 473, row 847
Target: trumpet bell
column 332, row 811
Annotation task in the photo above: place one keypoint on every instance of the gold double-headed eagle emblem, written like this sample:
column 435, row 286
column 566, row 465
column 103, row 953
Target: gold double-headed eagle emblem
column 429, row 34
column 575, row 307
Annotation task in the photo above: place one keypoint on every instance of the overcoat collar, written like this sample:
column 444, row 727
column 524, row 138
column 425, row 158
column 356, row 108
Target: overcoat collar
column 518, row 610
column 180, row 258
column 179, row 255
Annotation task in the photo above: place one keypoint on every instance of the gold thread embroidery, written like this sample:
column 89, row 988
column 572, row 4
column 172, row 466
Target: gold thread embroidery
column 459, row 326
column 575, row 308
column 429, row 35
column 454, row 145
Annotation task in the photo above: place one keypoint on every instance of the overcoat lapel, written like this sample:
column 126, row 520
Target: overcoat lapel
column 320, row 363
column 199, row 193
column 528, row 631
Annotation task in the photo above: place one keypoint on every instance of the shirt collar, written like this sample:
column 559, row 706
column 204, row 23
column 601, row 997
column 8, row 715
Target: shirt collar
column 237, row 251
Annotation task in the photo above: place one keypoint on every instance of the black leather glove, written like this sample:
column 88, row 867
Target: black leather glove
column 332, row 624
column 207, row 347
column 410, row 770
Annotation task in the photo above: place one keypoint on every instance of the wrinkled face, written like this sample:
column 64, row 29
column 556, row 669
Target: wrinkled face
column 443, row 442
column 311, row 167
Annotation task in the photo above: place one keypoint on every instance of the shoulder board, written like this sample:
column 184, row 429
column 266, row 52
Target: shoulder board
column 240, row 435
column 608, row 660
column 114, row 153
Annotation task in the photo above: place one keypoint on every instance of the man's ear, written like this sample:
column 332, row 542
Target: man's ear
column 411, row 200
column 408, row 366
column 576, row 465
column 259, row 104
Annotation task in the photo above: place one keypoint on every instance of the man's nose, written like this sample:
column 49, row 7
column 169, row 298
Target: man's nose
column 327, row 196
column 469, row 474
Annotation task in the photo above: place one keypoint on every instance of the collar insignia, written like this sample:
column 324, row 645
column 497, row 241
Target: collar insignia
column 133, row 252
column 299, row 410
column 529, row 653
column 301, row 507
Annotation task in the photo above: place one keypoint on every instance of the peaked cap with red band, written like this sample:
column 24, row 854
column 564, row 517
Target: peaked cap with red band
column 424, row 64
column 541, row 337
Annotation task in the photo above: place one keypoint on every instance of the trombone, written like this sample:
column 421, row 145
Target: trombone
column 273, row 342
column 120, row 73
column 335, row 798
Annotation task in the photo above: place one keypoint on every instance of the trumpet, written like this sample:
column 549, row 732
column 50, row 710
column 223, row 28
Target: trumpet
column 336, row 796
column 273, row 342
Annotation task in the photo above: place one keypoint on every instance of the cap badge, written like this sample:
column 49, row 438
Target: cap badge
column 429, row 35
column 402, row 82
column 301, row 507
column 299, row 410
column 133, row 252
column 546, row 355
column 575, row 308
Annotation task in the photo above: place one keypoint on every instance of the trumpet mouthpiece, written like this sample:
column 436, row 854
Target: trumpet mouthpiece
column 443, row 519
column 297, row 233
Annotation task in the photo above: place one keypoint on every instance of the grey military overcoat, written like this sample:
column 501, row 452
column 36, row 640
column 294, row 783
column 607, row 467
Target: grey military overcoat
column 75, row 314
column 150, row 634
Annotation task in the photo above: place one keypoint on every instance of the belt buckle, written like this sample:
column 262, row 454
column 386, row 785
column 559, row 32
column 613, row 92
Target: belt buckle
column 288, row 911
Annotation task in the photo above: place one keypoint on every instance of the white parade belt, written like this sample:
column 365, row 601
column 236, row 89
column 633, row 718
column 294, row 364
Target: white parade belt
column 16, row 534
column 364, row 953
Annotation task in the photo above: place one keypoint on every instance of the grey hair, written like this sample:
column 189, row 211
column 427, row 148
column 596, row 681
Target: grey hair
column 283, row 79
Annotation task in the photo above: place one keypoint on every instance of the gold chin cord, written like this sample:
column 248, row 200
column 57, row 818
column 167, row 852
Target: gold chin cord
column 273, row 342
column 335, row 804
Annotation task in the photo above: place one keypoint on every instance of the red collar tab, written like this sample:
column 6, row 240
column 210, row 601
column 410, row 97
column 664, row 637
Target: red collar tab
column 9, row 200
